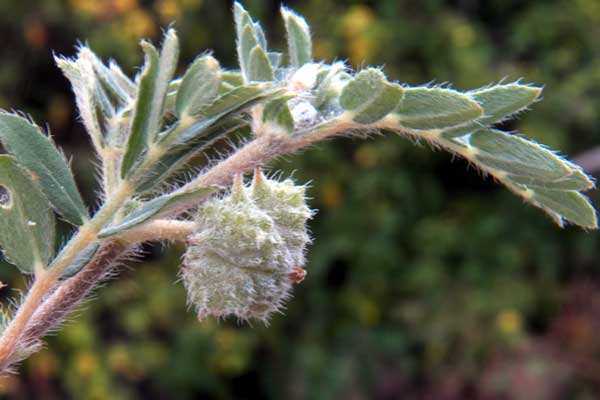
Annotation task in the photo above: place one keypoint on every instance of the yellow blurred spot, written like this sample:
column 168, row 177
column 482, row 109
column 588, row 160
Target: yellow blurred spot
column 103, row 9
column 366, row 156
column 509, row 322
column 168, row 10
column 85, row 364
column 35, row 33
column 356, row 24
column 357, row 20
column 137, row 24
column 331, row 195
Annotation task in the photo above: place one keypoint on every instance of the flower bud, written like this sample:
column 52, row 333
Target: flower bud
column 247, row 250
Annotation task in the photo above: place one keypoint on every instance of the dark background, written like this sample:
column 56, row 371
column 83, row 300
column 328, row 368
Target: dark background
column 426, row 280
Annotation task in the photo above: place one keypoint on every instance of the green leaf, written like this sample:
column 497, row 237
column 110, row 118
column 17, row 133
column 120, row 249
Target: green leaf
column 278, row 113
column 569, row 205
column 225, row 105
column 246, row 42
column 577, row 180
column 328, row 81
column 157, row 207
column 498, row 102
column 26, row 220
column 517, row 156
column 259, row 66
column 369, row 97
column 502, row 101
column 433, row 108
column 199, row 87
column 34, row 151
column 234, row 78
column 81, row 260
column 166, row 68
column 115, row 87
column 141, row 121
column 241, row 18
column 152, row 92
column 240, row 98
column 298, row 37
column 81, row 74
column 179, row 155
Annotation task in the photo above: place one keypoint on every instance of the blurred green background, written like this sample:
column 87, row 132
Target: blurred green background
column 425, row 281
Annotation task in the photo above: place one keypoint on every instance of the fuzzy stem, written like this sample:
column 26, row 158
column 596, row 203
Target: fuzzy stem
column 54, row 309
column 162, row 229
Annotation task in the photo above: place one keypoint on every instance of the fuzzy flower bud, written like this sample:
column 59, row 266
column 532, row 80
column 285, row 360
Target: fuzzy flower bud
column 248, row 249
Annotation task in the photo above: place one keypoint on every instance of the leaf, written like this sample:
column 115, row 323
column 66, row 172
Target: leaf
column 123, row 80
column 298, row 38
column 569, row 205
column 434, row 108
column 115, row 87
column 229, row 103
column 34, row 151
column 498, row 102
column 577, row 180
column 179, row 155
column 241, row 18
column 517, row 156
column 26, row 221
column 82, row 259
column 234, row 78
column 369, row 97
column 259, row 66
column 240, row 98
column 81, row 74
column 166, row 68
column 277, row 112
column 328, row 81
column 246, row 42
column 199, row 87
column 152, row 92
column 156, row 208
column 141, row 119
column 502, row 101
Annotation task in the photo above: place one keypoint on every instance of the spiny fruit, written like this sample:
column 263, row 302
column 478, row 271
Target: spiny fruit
column 247, row 250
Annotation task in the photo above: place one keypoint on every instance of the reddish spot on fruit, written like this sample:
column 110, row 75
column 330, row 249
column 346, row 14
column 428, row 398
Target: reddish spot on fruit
column 297, row 274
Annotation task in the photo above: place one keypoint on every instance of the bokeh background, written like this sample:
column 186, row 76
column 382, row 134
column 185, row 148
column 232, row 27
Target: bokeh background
column 426, row 280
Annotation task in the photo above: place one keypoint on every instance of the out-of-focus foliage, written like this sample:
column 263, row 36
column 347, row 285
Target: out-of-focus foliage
column 425, row 281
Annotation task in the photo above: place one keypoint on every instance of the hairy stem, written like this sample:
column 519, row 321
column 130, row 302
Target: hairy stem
column 162, row 229
column 55, row 308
